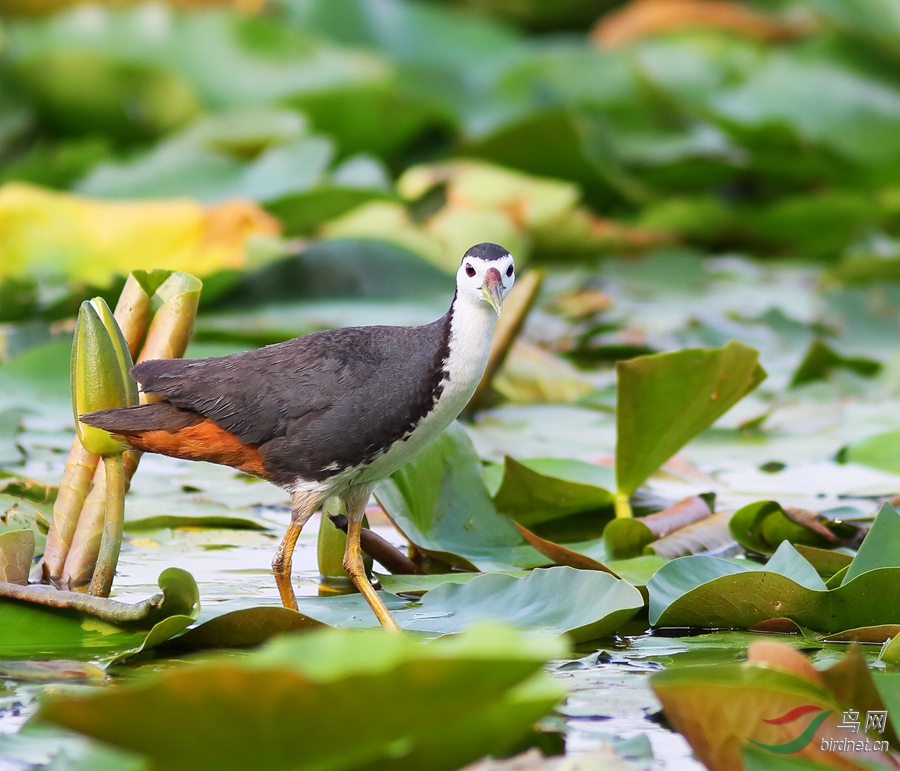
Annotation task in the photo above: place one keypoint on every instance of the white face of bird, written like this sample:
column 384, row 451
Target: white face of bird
column 486, row 274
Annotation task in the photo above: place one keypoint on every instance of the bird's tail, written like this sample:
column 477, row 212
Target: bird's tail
column 168, row 430
column 126, row 421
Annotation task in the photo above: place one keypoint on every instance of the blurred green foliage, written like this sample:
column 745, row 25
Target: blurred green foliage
column 698, row 134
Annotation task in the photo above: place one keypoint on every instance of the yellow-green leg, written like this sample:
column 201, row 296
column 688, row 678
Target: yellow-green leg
column 303, row 506
column 353, row 560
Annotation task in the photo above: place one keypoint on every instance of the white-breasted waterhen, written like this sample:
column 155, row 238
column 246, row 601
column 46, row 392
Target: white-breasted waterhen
column 328, row 414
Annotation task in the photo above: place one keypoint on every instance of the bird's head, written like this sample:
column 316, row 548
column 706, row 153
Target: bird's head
column 486, row 274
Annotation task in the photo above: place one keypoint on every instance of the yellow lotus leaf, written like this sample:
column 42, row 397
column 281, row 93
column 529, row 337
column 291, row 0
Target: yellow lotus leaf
column 527, row 200
column 45, row 232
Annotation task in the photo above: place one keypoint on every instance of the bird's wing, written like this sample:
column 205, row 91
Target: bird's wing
column 257, row 395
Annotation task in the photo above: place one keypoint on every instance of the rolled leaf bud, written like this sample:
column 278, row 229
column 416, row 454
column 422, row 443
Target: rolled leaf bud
column 100, row 373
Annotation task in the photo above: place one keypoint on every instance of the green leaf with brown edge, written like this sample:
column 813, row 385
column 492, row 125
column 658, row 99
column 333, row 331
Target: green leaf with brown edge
column 440, row 503
column 865, row 634
column 228, row 712
column 706, row 591
column 762, row 526
column 561, row 555
column 541, row 489
column 89, row 629
column 665, row 400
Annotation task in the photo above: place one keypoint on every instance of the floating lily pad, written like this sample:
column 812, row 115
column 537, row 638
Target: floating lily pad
column 164, row 521
column 28, row 629
column 711, row 592
column 228, row 712
column 596, row 604
column 242, row 628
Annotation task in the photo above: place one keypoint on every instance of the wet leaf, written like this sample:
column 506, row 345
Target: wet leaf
column 762, row 526
column 227, row 712
column 245, row 628
column 51, row 671
column 597, row 604
column 86, row 626
column 711, row 592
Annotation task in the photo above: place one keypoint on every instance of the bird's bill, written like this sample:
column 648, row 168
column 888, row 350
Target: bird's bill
column 492, row 289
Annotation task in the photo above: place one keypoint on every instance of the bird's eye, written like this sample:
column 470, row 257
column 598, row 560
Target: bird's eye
column 509, row 270
column 470, row 271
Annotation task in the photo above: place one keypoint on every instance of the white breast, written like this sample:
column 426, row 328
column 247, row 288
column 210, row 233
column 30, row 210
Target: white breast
column 471, row 331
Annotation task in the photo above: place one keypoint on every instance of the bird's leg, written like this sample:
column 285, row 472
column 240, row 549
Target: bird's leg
column 303, row 506
column 355, row 501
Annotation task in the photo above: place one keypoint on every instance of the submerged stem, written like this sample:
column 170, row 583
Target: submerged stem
column 113, row 525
